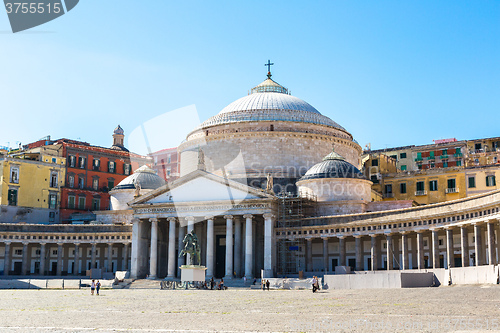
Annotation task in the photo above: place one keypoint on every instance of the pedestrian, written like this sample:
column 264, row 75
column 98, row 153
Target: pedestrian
column 263, row 283
column 245, row 280
column 221, row 286
column 97, row 287
column 212, row 283
column 267, row 284
column 92, row 287
column 254, row 281
column 314, row 283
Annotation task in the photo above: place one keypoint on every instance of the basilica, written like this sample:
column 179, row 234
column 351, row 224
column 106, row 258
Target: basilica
column 272, row 188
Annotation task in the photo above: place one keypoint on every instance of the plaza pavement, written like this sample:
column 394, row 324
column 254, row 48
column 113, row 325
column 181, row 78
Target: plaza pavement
column 443, row 309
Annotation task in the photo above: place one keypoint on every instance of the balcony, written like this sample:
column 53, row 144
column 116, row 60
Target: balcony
column 388, row 195
column 444, row 157
column 420, row 193
column 418, row 159
column 451, row 190
column 458, row 155
column 431, row 158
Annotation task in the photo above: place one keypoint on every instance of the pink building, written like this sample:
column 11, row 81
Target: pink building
column 166, row 163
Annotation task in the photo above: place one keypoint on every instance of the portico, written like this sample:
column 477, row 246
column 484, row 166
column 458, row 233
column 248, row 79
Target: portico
column 234, row 224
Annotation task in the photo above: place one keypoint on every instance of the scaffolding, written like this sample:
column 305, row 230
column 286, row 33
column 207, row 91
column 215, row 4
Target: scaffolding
column 291, row 211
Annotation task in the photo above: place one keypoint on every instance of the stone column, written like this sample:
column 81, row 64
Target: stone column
column 450, row 253
column 76, row 259
column 492, row 257
column 435, row 249
column 268, row 241
column 59, row 258
column 110, row 258
column 93, row 250
column 342, row 259
column 153, row 250
column 210, row 246
column 359, row 252
column 464, row 246
column 229, row 246
column 420, row 251
column 374, row 252
column 325, row 255
column 248, row 246
column 171, row 248
column 25, row 259
column 404, row 250
column 42, row 259
column 6, row 262
column 478, row 244
column 309, row 257
column 181, row 260
column 395, row 253
column 125, row 257
column 136, row 243
column 237, row 246
column 390, row 261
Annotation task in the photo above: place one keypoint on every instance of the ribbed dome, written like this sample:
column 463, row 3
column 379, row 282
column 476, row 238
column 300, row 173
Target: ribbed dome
column 333, row 166
column 145, row 177
column 269, row 101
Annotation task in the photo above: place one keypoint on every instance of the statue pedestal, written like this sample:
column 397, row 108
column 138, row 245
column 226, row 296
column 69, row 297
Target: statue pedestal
column 192, row 273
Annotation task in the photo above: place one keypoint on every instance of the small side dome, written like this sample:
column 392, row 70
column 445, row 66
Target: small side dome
column 145, row 177
column 333, row 166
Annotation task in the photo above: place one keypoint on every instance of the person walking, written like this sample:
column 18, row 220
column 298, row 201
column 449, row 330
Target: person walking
column 92, row 287
column 97, row 287
column 263, row 284
column 267, row 284
column 314, row 283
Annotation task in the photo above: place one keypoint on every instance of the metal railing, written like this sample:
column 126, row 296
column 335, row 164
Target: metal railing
column 420, row 193
column 452, row 190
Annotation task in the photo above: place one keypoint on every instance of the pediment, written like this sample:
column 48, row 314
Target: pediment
column 201, row 186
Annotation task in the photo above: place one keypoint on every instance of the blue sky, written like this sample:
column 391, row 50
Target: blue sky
column 393, row 73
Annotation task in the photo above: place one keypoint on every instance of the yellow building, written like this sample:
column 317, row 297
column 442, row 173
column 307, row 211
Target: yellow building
column 439, row 185
column 483, row 152
column 29, row 188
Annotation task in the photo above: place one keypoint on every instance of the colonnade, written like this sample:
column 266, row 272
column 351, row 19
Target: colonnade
column 29, row 257
column 463, row 245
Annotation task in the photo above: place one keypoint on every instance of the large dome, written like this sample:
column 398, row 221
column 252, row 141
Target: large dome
column 269, row 101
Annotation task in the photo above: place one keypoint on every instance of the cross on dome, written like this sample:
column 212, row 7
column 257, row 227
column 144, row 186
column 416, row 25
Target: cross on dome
column 269, row 64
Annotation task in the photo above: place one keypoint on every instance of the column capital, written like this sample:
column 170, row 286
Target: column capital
column 268, row 215
column 25, row 243
column 189, row 219
column 136, row 220
column 60, row 244
column 111, row 244
column 77, row 244
column 209, row 217
column 153, row 220
column 248, row 216
column 494, row 220
column 373, row 235
column 357, row 236
column 324, row 238
column 172, row 219
column 228, row 217
column 341, row 237
column 7, row 242
column 309, row 239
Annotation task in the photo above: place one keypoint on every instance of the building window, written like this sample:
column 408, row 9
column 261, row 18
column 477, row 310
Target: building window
column 81, row 162
column 53, row 179
column 472, row 182
column 111, row 167
column 394, row 157
column 452, row 183
column 388, row 188
column 431, row 155
column 419, row 156
column 402, row 155
column 169, row 158
column 477, row 146
column 433, row 165
column 420, row 186
column 111, row 184
column 71, row 181
column 72, row 161
column 445, row 164
column 71, row 201
column 95, row 184
column 402, row 188
column 14, row 175
column 81, row 202
column 81, row 182
column 490, row 180
column 52, row 218
column 375, row 162
column 403, row 168
column 52, row 201
column 96, row 203
column 168, row 172
column 96, row 164
column 12, row 197
column 374, row 179
column 459, row 163
column 126, row 169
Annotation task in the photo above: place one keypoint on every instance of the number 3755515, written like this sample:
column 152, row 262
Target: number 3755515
column 32, row 8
